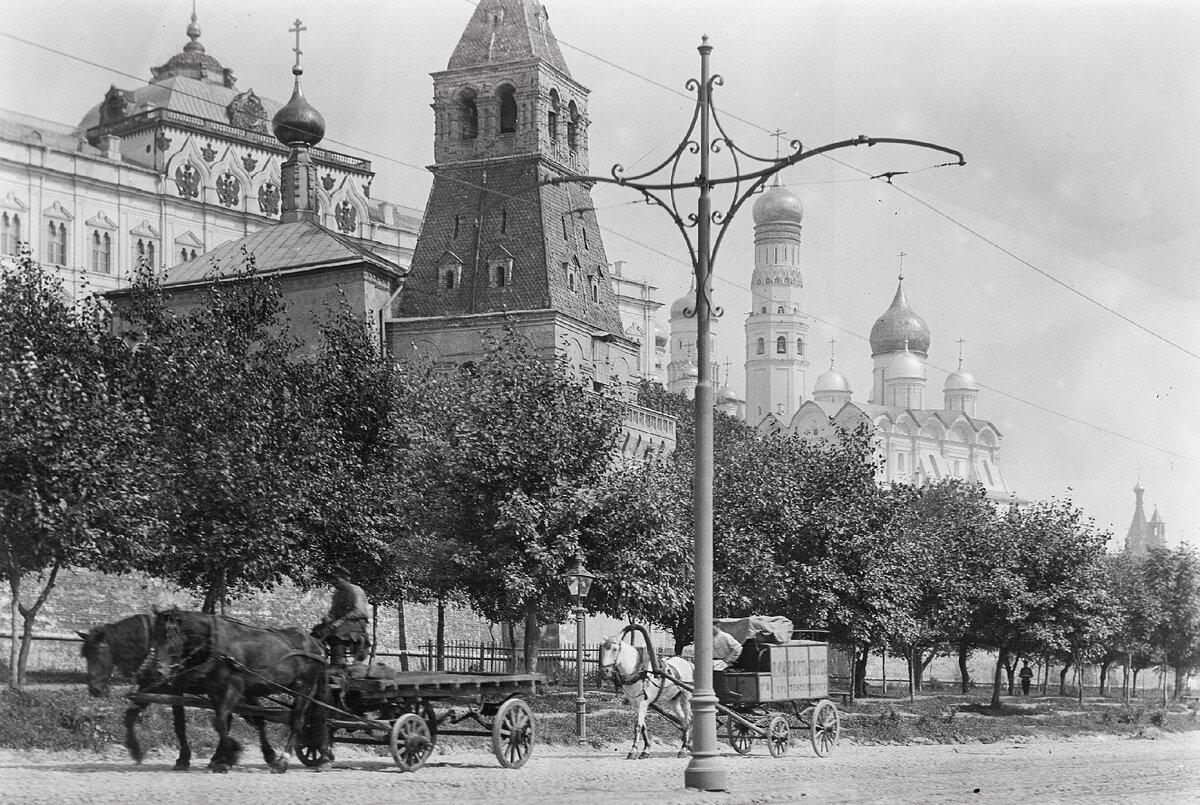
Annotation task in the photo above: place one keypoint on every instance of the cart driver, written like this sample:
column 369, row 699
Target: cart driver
column 344, row 629
column 725, row 651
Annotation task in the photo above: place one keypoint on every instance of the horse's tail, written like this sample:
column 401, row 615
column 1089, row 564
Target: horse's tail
column 637, row 628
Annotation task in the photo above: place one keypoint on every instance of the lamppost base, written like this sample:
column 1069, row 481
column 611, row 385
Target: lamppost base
column 706, row 773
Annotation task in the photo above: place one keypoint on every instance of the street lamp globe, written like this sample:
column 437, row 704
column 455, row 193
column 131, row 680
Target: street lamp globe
column 579, row 582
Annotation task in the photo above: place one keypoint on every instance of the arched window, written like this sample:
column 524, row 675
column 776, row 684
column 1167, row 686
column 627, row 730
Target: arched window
column 781, row 310
column 764, row 310
column 450, row 277
column 762, row 346
column 552, row 117
column 145, row 253
column 10, row 233
column 56, row 245
column 469, row 114
column 800, row 347
column 186, row 254
column 781, row 345
column 101, row 253
column 508, row 109
column 572, row 126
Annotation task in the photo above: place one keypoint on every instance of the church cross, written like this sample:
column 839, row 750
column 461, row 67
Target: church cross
column 296, row 29
column 902, row 256
column 778, row 135
column 960, row 343
column 832, row 341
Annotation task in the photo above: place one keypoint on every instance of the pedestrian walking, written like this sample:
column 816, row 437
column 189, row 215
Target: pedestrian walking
column 1026, row 678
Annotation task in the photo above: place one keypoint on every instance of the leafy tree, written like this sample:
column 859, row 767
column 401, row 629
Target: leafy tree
column 525, row 453
column 231, row 417
column 1172, row 581
column 75, row 475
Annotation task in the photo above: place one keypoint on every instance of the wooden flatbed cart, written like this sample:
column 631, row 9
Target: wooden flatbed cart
column 770, row 677
column 408, row 711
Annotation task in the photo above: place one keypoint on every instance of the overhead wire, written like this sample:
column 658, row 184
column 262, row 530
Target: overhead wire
column 674, row 258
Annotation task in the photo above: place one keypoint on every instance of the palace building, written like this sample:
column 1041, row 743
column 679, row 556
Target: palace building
column 169, row 170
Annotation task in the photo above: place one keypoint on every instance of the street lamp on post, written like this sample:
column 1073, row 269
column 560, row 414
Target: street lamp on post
column 705, row 770
column 579, row 584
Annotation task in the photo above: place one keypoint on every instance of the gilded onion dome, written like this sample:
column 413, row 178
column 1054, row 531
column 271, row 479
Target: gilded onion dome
column 961, row 380
column 778, row 203
column 900, row 329
column 298, row 122
column 831, row 380
column 687, row 302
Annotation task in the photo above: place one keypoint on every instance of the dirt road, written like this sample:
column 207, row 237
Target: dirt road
column 1165, row 770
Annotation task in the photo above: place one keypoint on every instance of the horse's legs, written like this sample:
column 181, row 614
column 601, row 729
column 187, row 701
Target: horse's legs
column 684, row 709
column 277, row 763
column 131, row 740
column 228, row 749
column 641, row 731
column 184, row 761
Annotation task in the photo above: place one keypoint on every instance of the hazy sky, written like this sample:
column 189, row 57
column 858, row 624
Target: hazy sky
column 1077, row 121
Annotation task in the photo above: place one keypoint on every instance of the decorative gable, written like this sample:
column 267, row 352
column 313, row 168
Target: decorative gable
column 11, row 202
column 189, row 240
column 58, row 211
column 101, row 221
column 144, row 230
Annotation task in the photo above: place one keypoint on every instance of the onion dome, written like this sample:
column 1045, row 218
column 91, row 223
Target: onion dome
column 831, row 380
column 900, row 329
column 1138, row 489
column 778, row 203
column 691, row 370
column 905, row 365
column 726, row 393
column 961, row 381
column 298, row 122
column 687, row 302
column 661, row 337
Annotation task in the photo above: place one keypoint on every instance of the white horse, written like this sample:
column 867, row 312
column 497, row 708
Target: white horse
column 632, row 669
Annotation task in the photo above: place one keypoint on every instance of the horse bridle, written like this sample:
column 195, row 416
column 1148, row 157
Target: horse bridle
column 620, row 680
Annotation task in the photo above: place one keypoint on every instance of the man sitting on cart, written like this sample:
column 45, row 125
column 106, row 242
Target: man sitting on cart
column 344, row 629
column 725, row 651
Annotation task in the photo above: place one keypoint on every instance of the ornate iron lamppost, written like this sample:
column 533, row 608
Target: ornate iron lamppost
column 705, row 770
column 579, row 584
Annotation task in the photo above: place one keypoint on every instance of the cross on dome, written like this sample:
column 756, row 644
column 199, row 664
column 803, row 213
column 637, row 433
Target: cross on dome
column 296, row 29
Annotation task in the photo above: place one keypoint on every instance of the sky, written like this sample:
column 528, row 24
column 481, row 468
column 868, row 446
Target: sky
column 1063, row 254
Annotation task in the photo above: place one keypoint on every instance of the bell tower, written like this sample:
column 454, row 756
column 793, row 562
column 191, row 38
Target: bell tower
column 497, row 242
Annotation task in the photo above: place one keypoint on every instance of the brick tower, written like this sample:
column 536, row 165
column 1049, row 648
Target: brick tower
column 497, row 243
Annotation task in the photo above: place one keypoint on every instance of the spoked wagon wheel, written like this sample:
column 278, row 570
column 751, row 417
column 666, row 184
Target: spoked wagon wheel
column 410, row 742
column 779, row 736
column 513, row 734
column 741, row 736
column 310, row 755
column 825, row 727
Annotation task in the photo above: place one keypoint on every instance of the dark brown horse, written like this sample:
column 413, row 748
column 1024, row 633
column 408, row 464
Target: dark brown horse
column 233, row 662
column 124, row 646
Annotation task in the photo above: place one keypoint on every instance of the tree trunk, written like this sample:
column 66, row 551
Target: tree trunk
column 997, row 679
column 402, row 635
column 1010, row 669
column 533, row 636
column 29, row 614
column 1045, row 674
column 441, row 634
column 921, row 665
column 1133, row 684
column 1104, row 677
column 860, row 670
column 1180, row 684
column 1062, row 677
column 14, row 585
column 511, row 630
column 852, row 658
column 964, row 652
column 1079, row 671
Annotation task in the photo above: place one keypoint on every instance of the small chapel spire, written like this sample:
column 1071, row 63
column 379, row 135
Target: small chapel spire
column 299, row 126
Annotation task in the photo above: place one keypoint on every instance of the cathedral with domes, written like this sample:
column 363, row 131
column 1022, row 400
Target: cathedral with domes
column 918, row 437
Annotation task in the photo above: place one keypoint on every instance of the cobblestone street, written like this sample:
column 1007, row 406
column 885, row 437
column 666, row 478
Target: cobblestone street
column 1166, row 770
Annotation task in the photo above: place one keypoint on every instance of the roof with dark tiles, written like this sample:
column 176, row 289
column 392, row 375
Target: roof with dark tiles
column 282, row 248
column 502, row 31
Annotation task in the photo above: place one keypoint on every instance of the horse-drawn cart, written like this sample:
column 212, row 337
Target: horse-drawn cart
column 407, row 712
column 768, row 677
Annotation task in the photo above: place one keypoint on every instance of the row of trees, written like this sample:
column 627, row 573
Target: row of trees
column 208, row 447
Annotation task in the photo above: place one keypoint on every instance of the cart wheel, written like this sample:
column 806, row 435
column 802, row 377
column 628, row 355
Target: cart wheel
column 741, row 736
column 779, row 736
column 825, row 728
column 410, row 742
column 310, row 756
column 513, row 734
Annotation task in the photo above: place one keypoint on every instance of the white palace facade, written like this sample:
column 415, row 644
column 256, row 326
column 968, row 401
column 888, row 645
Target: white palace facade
column 167, row 171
